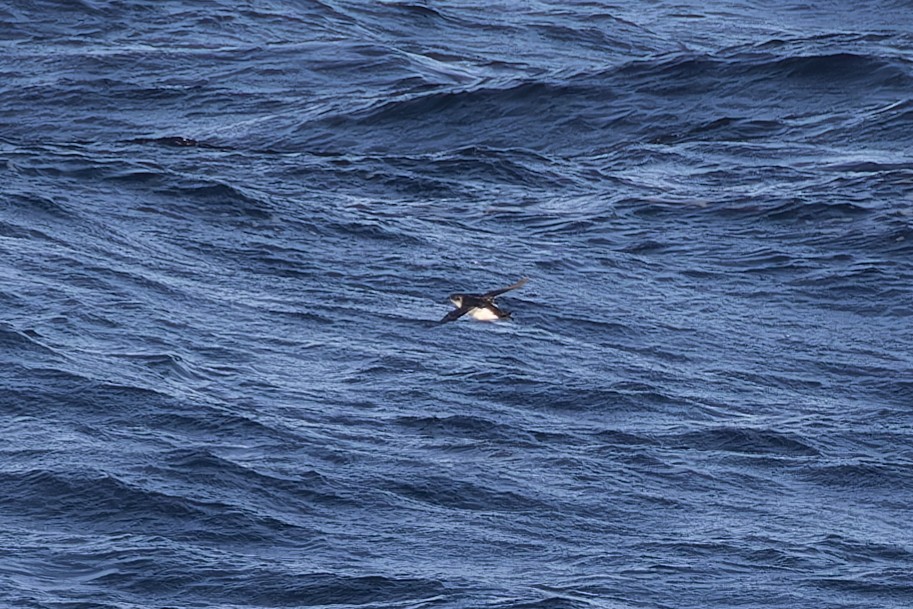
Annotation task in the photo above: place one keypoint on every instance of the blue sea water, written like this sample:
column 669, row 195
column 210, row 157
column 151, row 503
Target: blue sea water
column 228, row 231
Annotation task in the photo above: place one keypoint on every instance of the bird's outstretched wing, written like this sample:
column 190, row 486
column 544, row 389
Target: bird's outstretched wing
column 494, row 293
column 455, row 314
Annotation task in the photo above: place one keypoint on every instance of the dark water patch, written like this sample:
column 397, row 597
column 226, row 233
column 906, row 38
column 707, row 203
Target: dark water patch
column 65, row 395
column 887, row 585
column 816, row 212
column 601, row 106
column 616, row 401
column 878, row 127
column 871, row 167
column 861, row 292
column 35, row 206
column 108, row 505
column 547, row 225
column 455, row 494
column 479, row 430
column 54, row 388
column 895, row 390
column 647, row 246
column 208, row 423
column 299, row 492
column 769, row 261
column 14, row 231
column 860, row 474
column 219, row 199
column 460, row 426
column 381, row 176
column 744, row 440
column 495, row 114
column 301, row 589
column 176, row 141
column 164, row 364
column 736, row 129
column 620, row 438
column 845, row 547
column 85, row 165
column 843, row 68
column 559, row 262
column 684, row 73
column 790, row 381
column 551, row 601
column 16, row 344
column 375, row 230
column 509, row 166
column 71, row 161
column 426, row 14
column 134, row 569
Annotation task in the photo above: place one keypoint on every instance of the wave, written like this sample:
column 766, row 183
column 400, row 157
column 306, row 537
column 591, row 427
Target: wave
column 131, row 568
column 621, row 397
column 744, row 441
column 860, row 474
column 186, row 495
column 308, row 491
column 454, row 494
column 480, row 430
column 647, row 100
column 291, row 587
column 553, row 600
column 216, row 198
column 19, row 346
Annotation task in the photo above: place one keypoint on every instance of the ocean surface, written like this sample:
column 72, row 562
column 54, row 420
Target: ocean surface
column 228, row 232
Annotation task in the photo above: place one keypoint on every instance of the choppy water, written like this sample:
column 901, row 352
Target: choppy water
column 227, row 232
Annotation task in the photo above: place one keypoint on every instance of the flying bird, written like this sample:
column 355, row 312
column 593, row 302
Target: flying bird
column 480, row 306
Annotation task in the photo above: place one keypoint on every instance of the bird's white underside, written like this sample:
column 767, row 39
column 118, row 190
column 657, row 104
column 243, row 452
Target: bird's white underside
column 483, row 314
